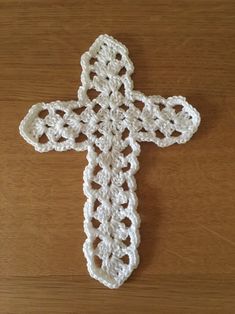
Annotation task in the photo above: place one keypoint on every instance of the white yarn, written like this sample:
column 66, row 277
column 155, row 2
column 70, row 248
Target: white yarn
column 107, row 126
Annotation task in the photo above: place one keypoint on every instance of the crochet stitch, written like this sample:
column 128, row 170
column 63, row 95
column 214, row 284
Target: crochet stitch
column 109, row 120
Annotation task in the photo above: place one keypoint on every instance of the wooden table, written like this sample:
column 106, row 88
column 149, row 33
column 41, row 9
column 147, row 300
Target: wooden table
column 186, row 192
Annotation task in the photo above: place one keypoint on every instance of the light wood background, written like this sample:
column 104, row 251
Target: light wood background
column 186, row 192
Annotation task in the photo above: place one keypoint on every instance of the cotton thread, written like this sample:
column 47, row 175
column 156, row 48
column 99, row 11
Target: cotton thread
column 109, row 120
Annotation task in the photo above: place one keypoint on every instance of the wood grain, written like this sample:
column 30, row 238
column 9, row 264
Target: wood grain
column 186, row 192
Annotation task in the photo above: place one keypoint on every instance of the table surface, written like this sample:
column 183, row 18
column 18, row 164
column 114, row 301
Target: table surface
column 186, row 192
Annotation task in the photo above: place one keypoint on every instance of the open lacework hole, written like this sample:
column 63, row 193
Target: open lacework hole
column 126, row 221
column 92, row 75
column 60, row 113
column 96, row 242
column 122, row 90
column 96, row 205
column 139, row 104
column 161, row 106
column 43, row 139
column 98, row 134
column 66, row 125
column 176, row 133
column 127, row 151
column 95, row 223
column 93, row 60
column 97, row 149
column 43, row 113
column 118, row 56
column 125, row 259
column 127, row 241
column 98, row 261
column 78, row 111
column 141, row 121
column 95, row 185
column 124, row 107
column 125, row 205
column 97, row 169
column 178, row 108
column 128, row 167
column 125, row 186
column 61, row 139
column 122, row 71
column 159, row 134
column 96, row 108
column 80, row 138
column 92, row 94
column 143, row 130
column 125, row 134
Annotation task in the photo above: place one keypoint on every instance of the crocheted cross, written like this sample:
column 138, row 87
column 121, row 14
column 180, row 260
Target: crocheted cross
column 109, row 120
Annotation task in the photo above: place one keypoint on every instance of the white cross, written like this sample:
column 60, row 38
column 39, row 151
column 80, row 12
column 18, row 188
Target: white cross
column 109, row 119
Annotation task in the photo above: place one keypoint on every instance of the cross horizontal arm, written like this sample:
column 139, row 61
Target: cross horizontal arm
column 165, row 121
column 55, row 126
